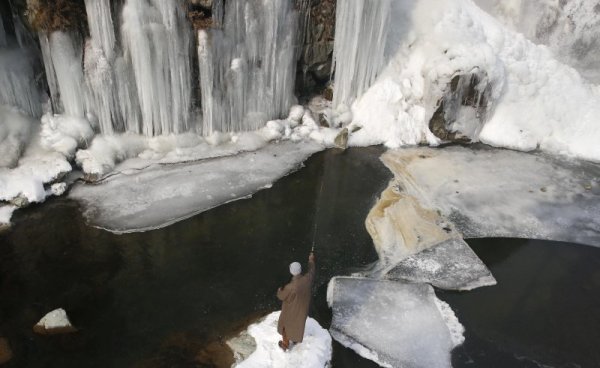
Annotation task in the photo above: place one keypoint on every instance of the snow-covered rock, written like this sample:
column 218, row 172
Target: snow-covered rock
column 392, row 323
column 55, row 322
column 314, row 352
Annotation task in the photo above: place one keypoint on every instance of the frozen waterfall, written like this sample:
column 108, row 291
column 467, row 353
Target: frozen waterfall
column 247, row 68
column 361, row 30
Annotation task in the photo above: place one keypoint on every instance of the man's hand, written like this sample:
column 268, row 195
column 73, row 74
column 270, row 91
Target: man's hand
column 311, row 257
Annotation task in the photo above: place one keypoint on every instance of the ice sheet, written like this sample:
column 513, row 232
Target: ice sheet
column 161, row 195
column 313, row 352
column 392, row 323
column 451, row 265
column 488, row 192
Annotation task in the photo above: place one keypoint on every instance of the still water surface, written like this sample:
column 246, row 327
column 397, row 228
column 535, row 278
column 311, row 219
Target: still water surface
column 170, row 297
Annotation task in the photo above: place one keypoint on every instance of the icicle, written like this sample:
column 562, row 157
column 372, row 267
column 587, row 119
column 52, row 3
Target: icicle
column 17, row 82
column 248, row 69
column 156, row 40
column 360, row 33
column 50, row 73
column 66, row 61
column 101, row 26
column 217, row 13
column 3, row 42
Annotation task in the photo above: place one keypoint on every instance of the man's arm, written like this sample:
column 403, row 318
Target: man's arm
column 282, row 293
column 311, row 265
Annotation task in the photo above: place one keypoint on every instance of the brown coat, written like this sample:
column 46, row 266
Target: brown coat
column 295, row 298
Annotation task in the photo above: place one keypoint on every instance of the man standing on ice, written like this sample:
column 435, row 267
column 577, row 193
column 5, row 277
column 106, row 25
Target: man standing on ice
column 295, row 298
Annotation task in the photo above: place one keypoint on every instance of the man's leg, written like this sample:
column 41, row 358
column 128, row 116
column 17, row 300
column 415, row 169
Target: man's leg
column 285, row 342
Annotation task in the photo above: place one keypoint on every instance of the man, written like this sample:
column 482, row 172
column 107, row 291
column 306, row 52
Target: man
column 295, row 298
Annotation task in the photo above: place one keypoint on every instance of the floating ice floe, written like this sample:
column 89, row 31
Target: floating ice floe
column 314, row 352
column 486, row 192
column 392, row 323
column 450, row 265
column 163, row 194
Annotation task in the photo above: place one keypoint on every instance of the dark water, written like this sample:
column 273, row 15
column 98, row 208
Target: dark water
column 167, row 298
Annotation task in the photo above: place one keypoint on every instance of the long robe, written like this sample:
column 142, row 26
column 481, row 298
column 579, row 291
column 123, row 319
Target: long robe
column 295, row 298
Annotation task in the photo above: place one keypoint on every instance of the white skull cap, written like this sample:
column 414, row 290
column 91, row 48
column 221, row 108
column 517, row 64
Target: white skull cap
column 295, row 268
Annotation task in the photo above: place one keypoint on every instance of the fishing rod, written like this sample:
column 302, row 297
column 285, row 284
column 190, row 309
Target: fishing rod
column 312, row 249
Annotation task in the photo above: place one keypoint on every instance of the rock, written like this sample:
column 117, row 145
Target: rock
column 20, row 201
column 54, row 323
column 5, row 351
column 242, row 346
column 341, row 140
column 462, row 111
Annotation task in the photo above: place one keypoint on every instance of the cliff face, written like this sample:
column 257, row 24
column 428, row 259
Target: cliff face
column 316, row 56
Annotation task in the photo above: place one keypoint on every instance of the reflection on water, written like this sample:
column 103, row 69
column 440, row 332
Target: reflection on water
column 545, row 310
column 168, row 298
column 159, row 298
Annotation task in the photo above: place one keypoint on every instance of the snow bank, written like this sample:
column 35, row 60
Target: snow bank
column 392, row 323
column 131, row 151
column 314, row 352
column 64, row 134
column 535, row 101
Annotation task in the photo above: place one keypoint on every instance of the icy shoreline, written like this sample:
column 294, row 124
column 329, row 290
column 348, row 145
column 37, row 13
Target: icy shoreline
column 161, row 195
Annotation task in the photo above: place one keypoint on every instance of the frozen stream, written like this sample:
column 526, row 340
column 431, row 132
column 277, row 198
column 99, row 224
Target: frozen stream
column 167, row 297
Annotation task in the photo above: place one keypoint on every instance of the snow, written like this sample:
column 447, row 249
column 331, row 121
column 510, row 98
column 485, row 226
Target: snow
column 64, row 134
column 56, row 319
column 450, row 265
column 159, row 195
column 314, row 352
column 480, row 193
column 5, row 214
column 392, row 323
column 535, row 100
column 569, row 28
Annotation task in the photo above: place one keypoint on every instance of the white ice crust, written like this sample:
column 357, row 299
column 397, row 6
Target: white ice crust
column 138, row 200
column 314, row 352
column 491, row 192
column 392, row 323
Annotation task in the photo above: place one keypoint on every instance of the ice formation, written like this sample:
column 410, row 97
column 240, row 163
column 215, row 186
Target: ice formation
column 479, row 193
column 450, row 265
column 361, row 28
column 392, row 323
column 248, row 68
column 314, row 352
column 536, row 101
column 17, row 80
column 569, row 28
column 161, row 195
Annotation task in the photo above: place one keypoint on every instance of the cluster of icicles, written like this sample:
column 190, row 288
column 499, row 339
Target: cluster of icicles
column 139, row 71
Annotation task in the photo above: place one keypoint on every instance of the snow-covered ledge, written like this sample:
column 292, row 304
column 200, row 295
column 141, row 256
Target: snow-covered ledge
column 314, row 352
